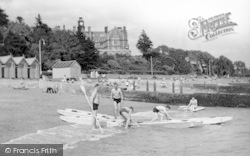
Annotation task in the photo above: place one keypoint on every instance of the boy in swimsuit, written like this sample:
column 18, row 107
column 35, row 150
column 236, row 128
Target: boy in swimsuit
column 161, row 110
column 125, row 112
column 95, row 101
column 117, row 96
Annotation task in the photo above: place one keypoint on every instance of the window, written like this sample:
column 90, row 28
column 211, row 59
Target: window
column 116, row 41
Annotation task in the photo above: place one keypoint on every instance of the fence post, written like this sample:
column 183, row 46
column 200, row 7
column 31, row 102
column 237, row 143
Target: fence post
column 181, row 88
column 173, row 89
column 217, row 89
column 134, row 85
column 147, row 87
column 154, row 87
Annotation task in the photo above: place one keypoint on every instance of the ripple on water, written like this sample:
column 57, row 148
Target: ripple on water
column 68, row 135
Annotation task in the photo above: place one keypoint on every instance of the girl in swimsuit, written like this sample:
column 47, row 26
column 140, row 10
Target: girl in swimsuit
column 125, row 112
column 161, row 110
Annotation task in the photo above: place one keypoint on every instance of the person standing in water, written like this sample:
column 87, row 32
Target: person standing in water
column 125, row 112
column 161, row 110
column 95, row 101
column 117, row 96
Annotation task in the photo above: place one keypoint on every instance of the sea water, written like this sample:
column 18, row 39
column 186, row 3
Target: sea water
column 231, row 138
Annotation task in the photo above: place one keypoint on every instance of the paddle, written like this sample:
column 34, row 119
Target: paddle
column 84, row 91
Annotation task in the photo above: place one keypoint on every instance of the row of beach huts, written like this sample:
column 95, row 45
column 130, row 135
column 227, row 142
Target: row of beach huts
column 19, row 67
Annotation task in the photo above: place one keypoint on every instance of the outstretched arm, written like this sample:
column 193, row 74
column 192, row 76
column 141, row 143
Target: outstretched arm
column 167, row 115
column 189, row 105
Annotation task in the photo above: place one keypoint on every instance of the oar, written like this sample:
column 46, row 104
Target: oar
column 84, row 91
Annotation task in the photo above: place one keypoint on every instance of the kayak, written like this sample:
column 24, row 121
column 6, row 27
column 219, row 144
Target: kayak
column 199, row 108
column 175, row 123
column 204, row 121
column 212, row 120
column 80, row 113
column 84, row 117
column 87, row 121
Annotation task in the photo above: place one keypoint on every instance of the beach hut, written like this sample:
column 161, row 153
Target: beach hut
column 21, row 68
column 7, row 67
column 68, row 69
column 33, row 70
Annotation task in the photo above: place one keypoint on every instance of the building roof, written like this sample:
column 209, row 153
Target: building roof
column 17, row 60
column 5, row 59
column 64, row 64
column 30, row 61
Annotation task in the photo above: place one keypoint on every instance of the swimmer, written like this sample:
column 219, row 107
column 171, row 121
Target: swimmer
column 193, row 104
column 125, row 112
column 161, row 110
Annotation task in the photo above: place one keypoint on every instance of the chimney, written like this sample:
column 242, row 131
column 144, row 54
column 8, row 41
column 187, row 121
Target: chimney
column 106, row 29
column 124, row 28
column 63, row 27
column 89, row 31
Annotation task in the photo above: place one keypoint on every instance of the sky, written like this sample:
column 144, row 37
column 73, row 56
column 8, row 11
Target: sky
column 166, row 22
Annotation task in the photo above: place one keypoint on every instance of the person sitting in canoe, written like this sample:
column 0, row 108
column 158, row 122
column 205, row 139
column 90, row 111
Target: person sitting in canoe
column 193, row 104
column 125, row 112
column 161, row 110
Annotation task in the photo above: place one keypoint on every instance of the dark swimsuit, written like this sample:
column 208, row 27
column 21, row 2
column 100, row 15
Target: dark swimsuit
column 117, row 100
column 155, row 110
column 95, row 106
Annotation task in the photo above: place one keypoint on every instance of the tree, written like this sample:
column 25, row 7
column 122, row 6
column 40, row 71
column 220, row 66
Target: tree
column 3, row 18
column 88, row 57
column 144, row 44
column 113, row 64
column 239, row 67
column 41, row 30
column 15, row 45
column 223, row 66
column 3, row 23
column 19, row 19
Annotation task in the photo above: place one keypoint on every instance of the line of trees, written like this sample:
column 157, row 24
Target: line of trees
column 19, row 39
column 174, row 61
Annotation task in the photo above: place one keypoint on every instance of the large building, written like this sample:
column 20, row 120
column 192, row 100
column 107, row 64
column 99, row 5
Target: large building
column 114, row 41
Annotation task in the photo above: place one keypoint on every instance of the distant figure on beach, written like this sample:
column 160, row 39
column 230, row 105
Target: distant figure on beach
column 127, row 84
column 95, row 101
column 161, row 110
column 117, row 96
column 125, row 112
column 193, row 104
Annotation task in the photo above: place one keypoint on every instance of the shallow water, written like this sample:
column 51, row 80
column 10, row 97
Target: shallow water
column 229, row 139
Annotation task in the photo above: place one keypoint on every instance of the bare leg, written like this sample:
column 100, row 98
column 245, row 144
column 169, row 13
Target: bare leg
column 124, row 117
column 127, row 123
column 116, row 110
column 94, row 120
column 161, row 116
